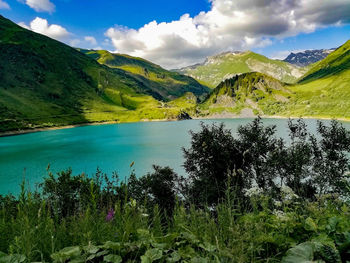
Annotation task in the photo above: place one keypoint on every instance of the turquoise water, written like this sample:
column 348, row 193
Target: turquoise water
column 110, row 147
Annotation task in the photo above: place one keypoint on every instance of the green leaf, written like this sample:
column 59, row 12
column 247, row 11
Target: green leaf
column 199, row 260
column 310, row 225
column 113, row 258
column 152, row 255
column 77, row 260
column 187, row 252
column 160, row 245
column 190, row 237
column 174, row 257
column 101, row 253
column 208, row 247
column 15, row 258
column 115, row 246
column 303, row 253
column 91, row 249
column 332, row 224
column 66, row 253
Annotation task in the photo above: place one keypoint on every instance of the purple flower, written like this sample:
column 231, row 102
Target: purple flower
column 110, row 215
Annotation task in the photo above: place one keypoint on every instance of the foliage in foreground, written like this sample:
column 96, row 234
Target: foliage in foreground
column 290, row 231
column 232, row 208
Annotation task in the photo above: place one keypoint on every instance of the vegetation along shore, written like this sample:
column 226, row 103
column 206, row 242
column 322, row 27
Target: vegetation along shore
column 247, row 198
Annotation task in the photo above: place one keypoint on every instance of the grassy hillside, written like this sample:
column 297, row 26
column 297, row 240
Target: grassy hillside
column 224, row 66
column 323, row 92
column 335, row 64
column 46, row 83
column 169, row 85
column 253, row 91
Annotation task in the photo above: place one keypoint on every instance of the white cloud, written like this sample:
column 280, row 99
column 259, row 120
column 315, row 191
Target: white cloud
column 284, row 53
column 4, row 5
column 41, row 5
column 75, row 42
column 40, row 25
column 91, row 40
column 229, row 25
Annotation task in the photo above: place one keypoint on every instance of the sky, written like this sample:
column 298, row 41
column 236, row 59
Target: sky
column 179, row 33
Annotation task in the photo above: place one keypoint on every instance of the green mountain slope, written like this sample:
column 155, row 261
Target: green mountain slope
column 252, row 92
column 334, row 64
column 46, row 83
column 169, row 85
column 323, row 92
column 226, row 65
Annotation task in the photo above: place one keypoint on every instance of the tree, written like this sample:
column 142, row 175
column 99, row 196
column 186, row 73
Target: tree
column 331, row 157
column 157, row 188
column 259, row 145
column 211, row 159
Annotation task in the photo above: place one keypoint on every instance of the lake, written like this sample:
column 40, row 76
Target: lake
column 110, row 147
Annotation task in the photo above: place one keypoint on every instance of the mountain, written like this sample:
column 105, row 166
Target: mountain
column 226, row 65
column 334, row 64
column 308, row 57
column 249, row 92
column 322, row 92
column 169, row 85
column 46, row 83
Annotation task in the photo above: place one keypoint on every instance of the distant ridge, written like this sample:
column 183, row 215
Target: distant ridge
column 226, row 65
column 308, row 57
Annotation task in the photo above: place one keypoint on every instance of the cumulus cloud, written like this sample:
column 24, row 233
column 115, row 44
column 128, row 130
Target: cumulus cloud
column 4, row 5
column 229, row 25
column 40, row 25
column 91, row 40
column 41, row 5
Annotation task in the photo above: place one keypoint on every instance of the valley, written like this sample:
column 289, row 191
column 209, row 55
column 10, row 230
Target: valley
column 48, row 84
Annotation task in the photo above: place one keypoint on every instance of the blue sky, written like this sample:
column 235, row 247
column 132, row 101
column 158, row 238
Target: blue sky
column 185, row 32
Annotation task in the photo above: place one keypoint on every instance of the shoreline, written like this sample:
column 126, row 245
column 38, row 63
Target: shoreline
column 27, row 131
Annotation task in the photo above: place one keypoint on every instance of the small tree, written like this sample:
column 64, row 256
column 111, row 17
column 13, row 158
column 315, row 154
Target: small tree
column 157, row 188
column 330, row 157
column 212, row 157
column 258, row 145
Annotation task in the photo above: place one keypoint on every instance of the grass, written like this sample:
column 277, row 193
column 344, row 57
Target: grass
column 30, row 230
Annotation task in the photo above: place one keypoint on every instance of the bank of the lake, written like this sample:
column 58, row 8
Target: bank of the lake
column 209, row 117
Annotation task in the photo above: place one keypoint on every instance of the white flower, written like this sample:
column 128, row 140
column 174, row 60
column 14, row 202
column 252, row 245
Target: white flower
column 254, row 191
column 280, row 215
column 288, row 193
column 278, row 203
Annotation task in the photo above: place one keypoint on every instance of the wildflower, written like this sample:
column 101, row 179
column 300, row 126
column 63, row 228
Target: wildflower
column 280, row 215
column 254, row 191
column 145, row 215
column 278, row 203
column 288, row 193
column 110, row 215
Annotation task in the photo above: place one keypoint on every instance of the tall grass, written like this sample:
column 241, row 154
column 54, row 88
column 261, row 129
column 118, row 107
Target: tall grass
column 29, row 226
